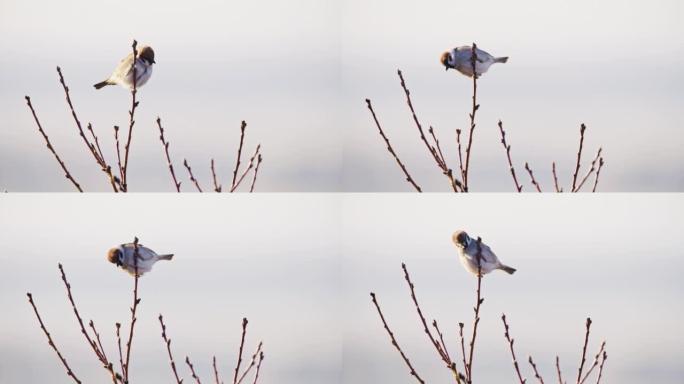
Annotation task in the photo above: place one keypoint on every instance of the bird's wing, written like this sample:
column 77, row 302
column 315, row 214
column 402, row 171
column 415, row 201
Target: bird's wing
column 124, row 66
column 483, row 56
column 144, row 253
column 488, row 255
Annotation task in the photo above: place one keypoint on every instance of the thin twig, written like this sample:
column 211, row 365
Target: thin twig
column 88, row 144
column 242, row 344
column 555, row 178
column 592, row 168
column 167, row 341
column 249, row 168
column 97, row 337
column 463, row 352
column 118, row 151
column 192, row 177
column 243, row 126
column 584, row 350
column 595, row 363
column 429, row 147
column 476, row 106
column 579, row 156
column 256, row 172
column 440, row 348
column 536, row 373
column 165, row 144
column 192, row 369
column 558, row 369
column 510, row 344
column 391, row 150
column 94, row 149
column 508, row 155
column 441, row 339
column 106, row 168
column 118, row 340
column 476, row 321
column 216, row 374
column 394, row 341
column 598, row 172
column 455, row 184
column 51, row 342
column 261, row 358
column 217, row 186
column 136, row 301
column 251, row 363
column 435, row 151
column 85, row 333
column 131, row 113
column 460, row 154
column 600, row 373
column 433, row 341
column 532, row 179
column 67, row 174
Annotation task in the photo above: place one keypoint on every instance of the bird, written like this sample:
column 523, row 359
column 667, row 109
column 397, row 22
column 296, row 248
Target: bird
column 460, row 59
column 123, row 73
column 123, row 256
column 468, row 250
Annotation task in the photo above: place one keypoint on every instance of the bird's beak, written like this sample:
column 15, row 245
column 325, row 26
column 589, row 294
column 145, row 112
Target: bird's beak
column 446, row 68
column 154, row 62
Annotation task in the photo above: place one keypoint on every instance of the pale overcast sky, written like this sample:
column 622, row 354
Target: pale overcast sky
column 299, row 72
column 301, row 267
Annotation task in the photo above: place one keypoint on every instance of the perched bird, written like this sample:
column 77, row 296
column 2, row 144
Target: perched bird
column 467, row 248
column 460, row 59
column 123, row 256
column 123, row 73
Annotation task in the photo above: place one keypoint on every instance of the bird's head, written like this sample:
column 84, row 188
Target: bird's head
column 461, row 239
column 445, row 59
column 115, row 256
column 146, row 53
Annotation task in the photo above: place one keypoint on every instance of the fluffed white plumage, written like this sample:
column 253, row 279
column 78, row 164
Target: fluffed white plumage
column 123, row 73
column 468, row 250
column 123, row 256
column 460, row 59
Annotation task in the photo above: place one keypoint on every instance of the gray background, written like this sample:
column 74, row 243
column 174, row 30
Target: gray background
column 299, row 72
column 300, row 267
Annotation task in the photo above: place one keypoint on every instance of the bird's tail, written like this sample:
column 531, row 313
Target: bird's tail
column 166, row 257
column 501, row 59
column 507, row 269
column 102, row 84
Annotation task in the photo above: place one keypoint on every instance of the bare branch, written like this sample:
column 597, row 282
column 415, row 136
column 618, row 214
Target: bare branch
column 584, row 351
column 67, row 174
column 134, row 308
column 51, row 342
column 131, row 113
column 242, row 344
column 192, row 369
column 394, row 341
column 476, row 106
column 243, row 126
column 579, row 157
column 167, row 341
column 217, row 186
column 165, row 144
column 256, row 172
column 192, row 177
column 510, row 344
column 532, row 179
column 536, row 373
column 508, row 155
column 391, row 150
